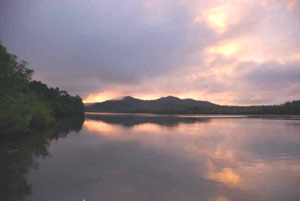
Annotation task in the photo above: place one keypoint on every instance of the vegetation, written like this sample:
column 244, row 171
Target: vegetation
column 173, row 105
column 26, row 104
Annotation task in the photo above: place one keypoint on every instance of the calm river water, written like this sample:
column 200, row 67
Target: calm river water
column 144, row 157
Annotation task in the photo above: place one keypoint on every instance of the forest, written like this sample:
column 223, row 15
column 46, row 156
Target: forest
column 27, row 104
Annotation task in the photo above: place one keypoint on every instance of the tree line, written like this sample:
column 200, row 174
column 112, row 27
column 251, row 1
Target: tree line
column 26, row 103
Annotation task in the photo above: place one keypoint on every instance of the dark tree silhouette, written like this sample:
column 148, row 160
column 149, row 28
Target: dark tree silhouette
column 26, row 104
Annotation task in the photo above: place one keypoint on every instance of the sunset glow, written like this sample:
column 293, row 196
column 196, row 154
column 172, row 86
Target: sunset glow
column 218, row 20
column 226, row 176
column 173, row 100
column 225, row 49
column 220, row 51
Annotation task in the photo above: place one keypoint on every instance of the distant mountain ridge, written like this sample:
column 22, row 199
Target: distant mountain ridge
column 174, row 105
column 169, row 104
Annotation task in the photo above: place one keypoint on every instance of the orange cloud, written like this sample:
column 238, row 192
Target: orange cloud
column 227, row 48
column 218, row 20
column 102, row 96
column 292, row 4
column 137, row 92
column 223, row 15
column 242, row 42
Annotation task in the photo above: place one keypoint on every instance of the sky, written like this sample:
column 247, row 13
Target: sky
column 242, row 52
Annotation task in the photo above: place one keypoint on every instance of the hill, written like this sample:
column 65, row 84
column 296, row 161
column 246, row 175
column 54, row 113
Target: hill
column 168, row 105
column 174, row 105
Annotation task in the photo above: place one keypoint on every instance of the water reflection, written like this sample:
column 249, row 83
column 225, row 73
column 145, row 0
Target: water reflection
column 129, row 120
column 244, row 158
column 19, row 153
column 150, row 157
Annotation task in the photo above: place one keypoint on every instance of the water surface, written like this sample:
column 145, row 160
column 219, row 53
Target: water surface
column 146, row 157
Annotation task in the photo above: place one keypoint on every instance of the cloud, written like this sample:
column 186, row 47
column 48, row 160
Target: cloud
column 275, row 75
column 214, row 50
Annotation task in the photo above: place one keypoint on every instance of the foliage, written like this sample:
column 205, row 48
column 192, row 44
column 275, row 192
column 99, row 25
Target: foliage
column 26, row 104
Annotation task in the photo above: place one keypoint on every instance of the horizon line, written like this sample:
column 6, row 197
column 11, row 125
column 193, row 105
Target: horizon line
column 153, row 99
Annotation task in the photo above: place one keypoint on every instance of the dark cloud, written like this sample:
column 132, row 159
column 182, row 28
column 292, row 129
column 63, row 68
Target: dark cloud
column 71, row 43
column 156, row 46
column 274, row 76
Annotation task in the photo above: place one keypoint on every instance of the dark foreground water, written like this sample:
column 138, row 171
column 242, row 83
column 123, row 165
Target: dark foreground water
column 157, row 158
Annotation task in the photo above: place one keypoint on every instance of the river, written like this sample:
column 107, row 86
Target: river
column 143, row 157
